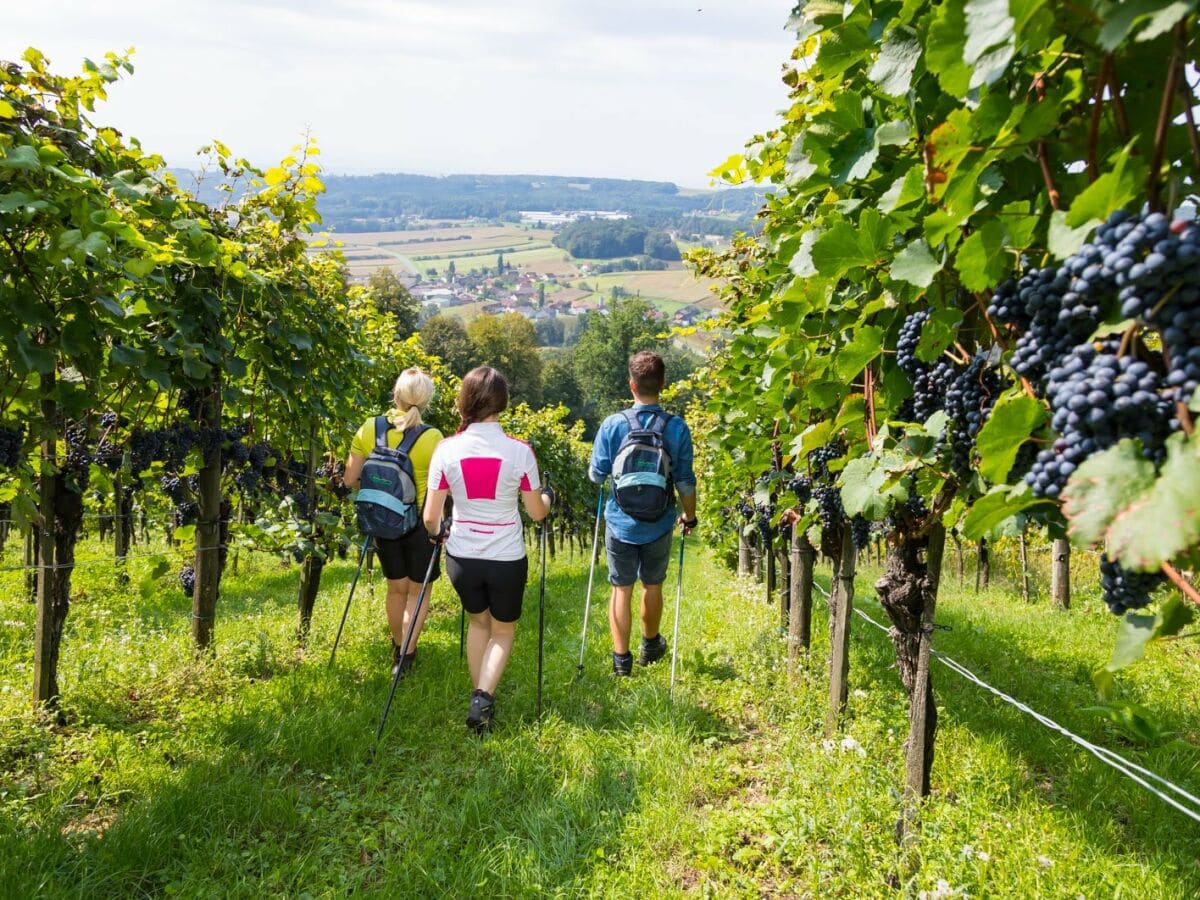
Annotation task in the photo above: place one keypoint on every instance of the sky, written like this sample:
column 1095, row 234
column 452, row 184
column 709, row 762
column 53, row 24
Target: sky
column 655, row 89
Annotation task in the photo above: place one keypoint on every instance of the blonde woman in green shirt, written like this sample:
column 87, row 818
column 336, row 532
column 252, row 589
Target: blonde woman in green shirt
column 404, row 560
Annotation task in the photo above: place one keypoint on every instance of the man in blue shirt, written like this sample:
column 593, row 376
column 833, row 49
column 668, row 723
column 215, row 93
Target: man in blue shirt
column 636, row 549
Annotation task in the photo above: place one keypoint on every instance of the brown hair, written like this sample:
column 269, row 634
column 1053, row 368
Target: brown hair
column 647, row 372
column 484, row 393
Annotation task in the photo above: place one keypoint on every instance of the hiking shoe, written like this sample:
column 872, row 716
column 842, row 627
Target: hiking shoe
column 401, row 664
column 479, row 715
column 652, row 650
column 622, row 664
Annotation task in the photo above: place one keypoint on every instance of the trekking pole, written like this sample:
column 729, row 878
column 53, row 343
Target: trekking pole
column 587, row 605
column 407, row 638
column 678, row 599
column 362, row 554
column 462, row 630
column 542, row 613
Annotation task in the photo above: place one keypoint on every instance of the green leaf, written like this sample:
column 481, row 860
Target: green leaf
column 915, row 264
column 897, row 62
column 1165, row 520
column 903, row 191
column 990, row 510
column 1138, row 630
column 811, row 438
column 944, row 48
column 7, row 110
column 24, row 157
column 938, row 334
column 1111, row 191
column 866, row 344
column 893, row 134
column 1105, row 484
column 842, row 47
column 1013, row 419
column 982, row 260
column 861, row 481
column 1064, row 240
column 837, row 251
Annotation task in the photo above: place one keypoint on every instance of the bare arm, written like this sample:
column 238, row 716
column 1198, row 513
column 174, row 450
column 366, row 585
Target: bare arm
column 435, row 504
column 536, row 504
column 354, row 464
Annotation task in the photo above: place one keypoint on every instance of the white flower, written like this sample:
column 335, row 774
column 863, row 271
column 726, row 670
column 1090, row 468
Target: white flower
column 1045, row 862
column 968, row 851
column 983, row 856
column 850, row 744
column 859, row 693
column 943, row 891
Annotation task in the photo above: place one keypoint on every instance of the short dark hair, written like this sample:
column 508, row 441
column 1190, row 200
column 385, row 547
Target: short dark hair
column 648, row 373
column 484, row 392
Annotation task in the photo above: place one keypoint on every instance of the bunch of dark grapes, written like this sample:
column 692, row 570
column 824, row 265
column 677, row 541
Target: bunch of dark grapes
column 177, row 441
column 78, row 457
column 247, row 481
column 1123, row 589
column 929, row 382
column 144, row 448
column 746, row 510
column 802, row 487
column 906, row 345
column 11, row 440
column 109, row 455
column 820, row 458
column 860, row 532
column 911, row 513
column 174, row 488
column 1097, row 398
column 187, row 581
column 829, row 506
column 209, row 439
column 763, row 522
column 301, row 503
column 185, row 513
column 237, row 454
column 968, row 401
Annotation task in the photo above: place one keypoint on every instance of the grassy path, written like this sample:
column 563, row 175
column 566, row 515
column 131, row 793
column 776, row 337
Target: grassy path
column 248, row 776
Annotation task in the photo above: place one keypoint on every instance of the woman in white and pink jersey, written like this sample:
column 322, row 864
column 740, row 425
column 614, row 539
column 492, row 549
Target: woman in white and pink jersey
column 485, row 471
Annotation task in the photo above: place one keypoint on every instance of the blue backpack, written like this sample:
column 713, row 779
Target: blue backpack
column 642, row 485
column 386, row 504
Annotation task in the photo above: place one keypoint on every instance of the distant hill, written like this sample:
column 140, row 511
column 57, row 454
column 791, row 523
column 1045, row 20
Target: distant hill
column 381, row 202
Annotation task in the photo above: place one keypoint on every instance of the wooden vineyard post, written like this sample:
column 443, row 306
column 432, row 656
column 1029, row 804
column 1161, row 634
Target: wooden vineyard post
column 743, row 564
column 786, row 575
column 45, row 678
column 841, row 604
column 122, row 526
column 310, row 572
column 769, row 565
column 800, row 602
column 208, row 527
column 31, row 560
column 1024, row 568
column 1060, row 573
column 983, row 568
column 959, row 553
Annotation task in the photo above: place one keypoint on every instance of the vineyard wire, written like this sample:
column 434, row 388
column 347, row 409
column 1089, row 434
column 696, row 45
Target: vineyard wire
column 1106, row 756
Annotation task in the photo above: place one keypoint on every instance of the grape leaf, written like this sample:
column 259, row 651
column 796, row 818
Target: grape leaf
column 897, row 61
column 1165, row 520
column 864, row 347
column 1111, row 191
column 944, row 50
column 938, row 334
column 862, row 481
column 916, row 265
column 1012, row 421
column 988, row 24
column 983, row 260
column 993, row 508
column 1137, row 630
column 1064, row 240
column 1105, row 484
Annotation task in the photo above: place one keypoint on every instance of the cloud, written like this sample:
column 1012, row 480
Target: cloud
column 632, row 89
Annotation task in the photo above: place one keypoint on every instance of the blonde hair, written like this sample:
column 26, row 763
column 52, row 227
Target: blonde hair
column 411, row 395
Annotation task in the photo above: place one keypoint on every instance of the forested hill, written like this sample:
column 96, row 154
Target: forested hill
column 378, row 202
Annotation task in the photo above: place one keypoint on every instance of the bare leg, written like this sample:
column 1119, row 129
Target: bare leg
column 652, row 607
column 397, row 597
column 495, row 655
column 414, row 591
column 479, row 633
column 620, row 616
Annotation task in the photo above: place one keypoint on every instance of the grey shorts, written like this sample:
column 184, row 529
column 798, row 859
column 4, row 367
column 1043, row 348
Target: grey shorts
column 646, row 563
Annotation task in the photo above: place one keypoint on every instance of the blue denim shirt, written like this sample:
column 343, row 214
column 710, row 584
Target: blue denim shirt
column 604, row 450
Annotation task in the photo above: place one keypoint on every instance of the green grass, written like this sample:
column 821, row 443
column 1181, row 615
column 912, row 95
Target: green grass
column 247, row 776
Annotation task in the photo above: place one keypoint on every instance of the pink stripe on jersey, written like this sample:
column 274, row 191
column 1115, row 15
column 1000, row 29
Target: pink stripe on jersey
column 443, row 485
column 481, row 474
column 525, row 483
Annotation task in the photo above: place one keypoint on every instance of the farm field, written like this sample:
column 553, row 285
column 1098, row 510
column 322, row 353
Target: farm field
column 247, row 776
column 675, row 284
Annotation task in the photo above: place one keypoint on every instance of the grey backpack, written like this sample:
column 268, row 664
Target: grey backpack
column 386, row 504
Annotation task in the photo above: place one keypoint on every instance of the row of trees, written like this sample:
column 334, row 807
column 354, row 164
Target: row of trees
column 610, row 238
column 589, row 379
column 884, row 375
column 182, row 355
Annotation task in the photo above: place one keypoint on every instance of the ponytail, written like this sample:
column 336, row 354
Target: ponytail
column 411, row 395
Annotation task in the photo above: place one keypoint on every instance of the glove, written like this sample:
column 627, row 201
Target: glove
column 688, row 524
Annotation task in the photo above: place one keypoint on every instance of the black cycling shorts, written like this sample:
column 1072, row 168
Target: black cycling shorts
column 488, row 585
column 407, row 557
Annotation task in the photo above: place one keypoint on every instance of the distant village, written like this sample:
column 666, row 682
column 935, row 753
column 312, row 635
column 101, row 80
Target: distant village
column 537, row 296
